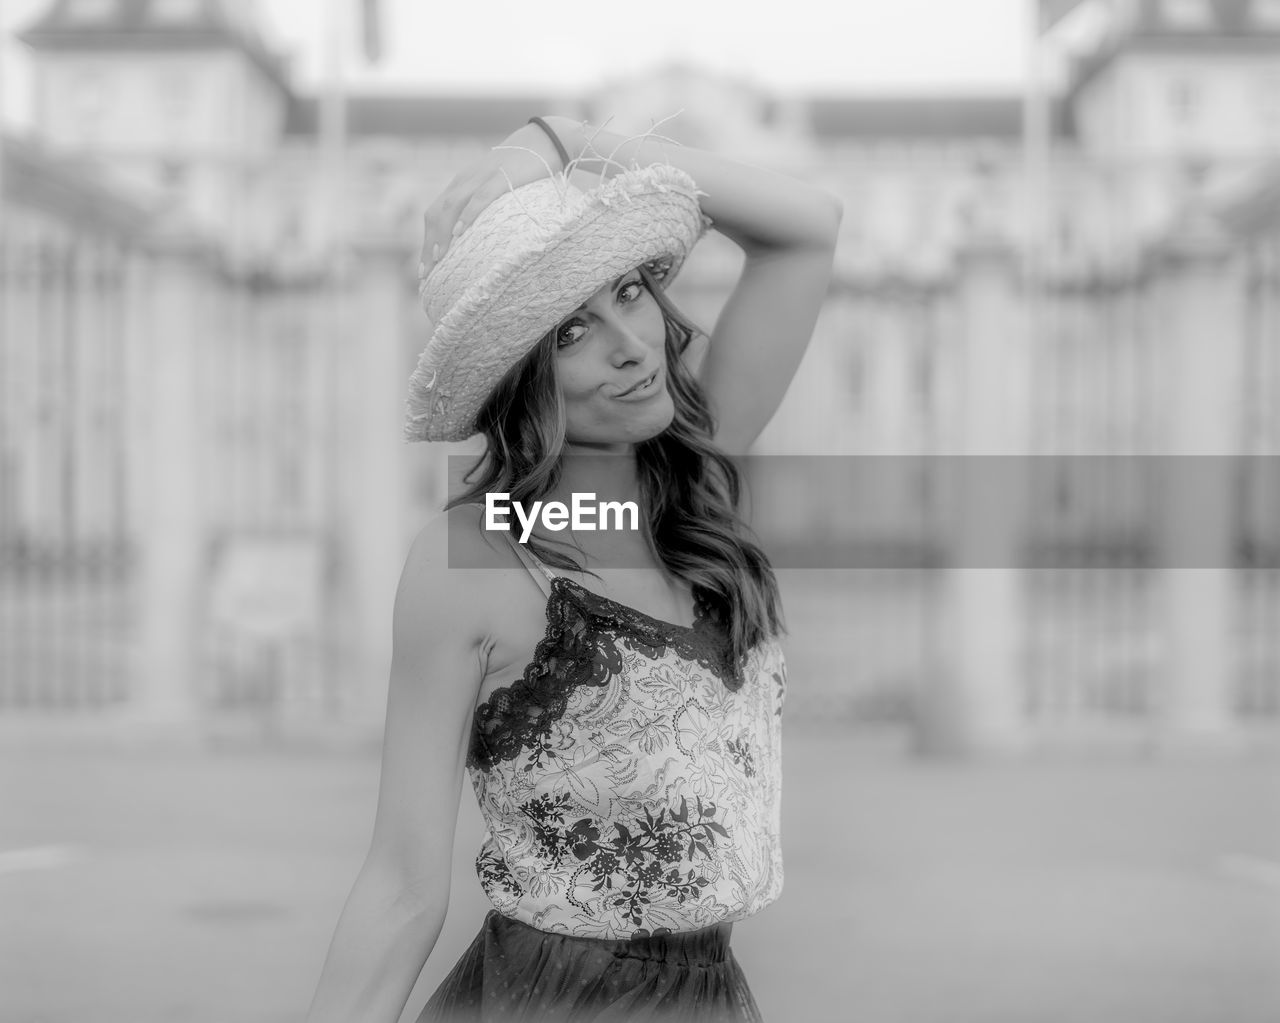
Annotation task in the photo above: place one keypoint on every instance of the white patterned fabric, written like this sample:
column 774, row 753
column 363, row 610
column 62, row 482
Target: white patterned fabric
column 629, row 780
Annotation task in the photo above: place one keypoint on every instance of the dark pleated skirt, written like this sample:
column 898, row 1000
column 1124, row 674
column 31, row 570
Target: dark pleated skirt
column 515, row 972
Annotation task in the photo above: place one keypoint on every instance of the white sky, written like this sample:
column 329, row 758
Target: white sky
column 895, row 46
column 898, row 45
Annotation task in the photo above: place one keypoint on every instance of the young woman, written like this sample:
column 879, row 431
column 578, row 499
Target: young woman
column 614, row 695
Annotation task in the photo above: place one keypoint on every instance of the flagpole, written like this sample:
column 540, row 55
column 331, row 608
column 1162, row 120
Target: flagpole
column 331, row 279
column 4, row 100
column 1036, row 142
column 332, row 134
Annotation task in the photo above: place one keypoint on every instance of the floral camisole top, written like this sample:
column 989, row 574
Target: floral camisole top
column 629, row 780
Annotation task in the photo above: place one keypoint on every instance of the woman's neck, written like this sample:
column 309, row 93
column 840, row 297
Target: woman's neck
column 617, row 540
column 610, row 477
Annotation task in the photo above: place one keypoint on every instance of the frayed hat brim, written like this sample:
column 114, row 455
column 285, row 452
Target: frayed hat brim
column 528, row 260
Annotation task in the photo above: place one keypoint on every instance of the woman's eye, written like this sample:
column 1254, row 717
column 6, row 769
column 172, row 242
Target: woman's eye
column 565, row 336
column 632, row 290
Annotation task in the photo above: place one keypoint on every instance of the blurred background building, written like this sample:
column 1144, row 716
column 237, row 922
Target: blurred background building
column 210, row 316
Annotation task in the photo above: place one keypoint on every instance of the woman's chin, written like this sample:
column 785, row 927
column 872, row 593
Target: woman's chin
column 656, row 421
column 635, row 425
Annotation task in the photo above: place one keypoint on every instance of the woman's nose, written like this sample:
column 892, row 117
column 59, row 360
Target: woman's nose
column 628, row 345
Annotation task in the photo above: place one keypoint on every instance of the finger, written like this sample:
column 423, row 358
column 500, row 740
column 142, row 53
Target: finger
column 441, row 220
column 435, row 223
column 430, row 246
column 478, row 203
column 427, row 259
column 438, row 208
column 436, row 227
column 448, row 225
column 426, row 267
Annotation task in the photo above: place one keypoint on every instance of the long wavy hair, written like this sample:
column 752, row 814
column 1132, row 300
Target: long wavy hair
column 690, row 490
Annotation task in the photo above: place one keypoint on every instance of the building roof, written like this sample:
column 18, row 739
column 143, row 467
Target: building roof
column 154, row 25
column 1226, row 27
column 924, row 117
column 421, row 114
column 68, row 188
column 1242, row 19
column 831, row 117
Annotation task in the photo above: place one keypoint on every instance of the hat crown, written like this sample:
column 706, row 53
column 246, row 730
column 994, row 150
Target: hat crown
column 517, row 222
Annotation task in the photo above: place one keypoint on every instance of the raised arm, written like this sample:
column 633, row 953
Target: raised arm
column 397, row 905
column 787, row 231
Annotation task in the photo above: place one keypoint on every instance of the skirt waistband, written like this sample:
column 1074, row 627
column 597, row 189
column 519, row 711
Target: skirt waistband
column 708, row 946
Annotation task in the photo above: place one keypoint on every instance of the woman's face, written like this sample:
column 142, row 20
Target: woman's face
column 613, row 342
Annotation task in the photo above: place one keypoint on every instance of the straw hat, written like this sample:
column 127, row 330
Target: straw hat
column 532, row 257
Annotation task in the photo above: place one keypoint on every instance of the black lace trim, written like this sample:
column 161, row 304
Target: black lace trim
column 581, row 649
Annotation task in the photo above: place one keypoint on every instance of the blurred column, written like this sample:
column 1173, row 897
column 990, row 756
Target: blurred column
column 169, row 469
column 972, row 702
column 1198, row 289
column 374, row 496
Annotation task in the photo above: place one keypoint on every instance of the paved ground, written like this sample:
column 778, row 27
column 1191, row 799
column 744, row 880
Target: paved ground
column 195, row 886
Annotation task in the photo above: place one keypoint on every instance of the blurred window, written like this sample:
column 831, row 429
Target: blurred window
column 925, row 206
column 89, row 95
column 922, row 376
column 1067, row 236
column 1266, row 13
column 1187, row 13
column 1269, row 107
column 291, row 225
column 857, row 373
column 289, row 480
column 1184, row 100
column 174, row 91
column 9, row 481
column 175, row 10
column 91, row 10
column 855, row 210
column 173, row 174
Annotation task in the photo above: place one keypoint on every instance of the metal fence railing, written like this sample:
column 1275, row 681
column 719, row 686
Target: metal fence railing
column 68, row 542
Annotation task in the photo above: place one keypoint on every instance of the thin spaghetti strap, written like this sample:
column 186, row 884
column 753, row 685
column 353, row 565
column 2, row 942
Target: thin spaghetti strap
column 541, row 574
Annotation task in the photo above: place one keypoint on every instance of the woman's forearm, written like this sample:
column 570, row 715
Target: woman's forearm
column 379, row 947
column 756, row 208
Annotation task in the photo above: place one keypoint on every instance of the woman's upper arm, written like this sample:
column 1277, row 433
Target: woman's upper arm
column 761, row 335
column 436, row 671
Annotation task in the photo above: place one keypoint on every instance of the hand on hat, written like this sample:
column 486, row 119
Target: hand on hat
column 524, row 156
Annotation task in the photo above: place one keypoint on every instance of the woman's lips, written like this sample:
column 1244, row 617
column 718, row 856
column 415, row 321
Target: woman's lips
column 644, row 389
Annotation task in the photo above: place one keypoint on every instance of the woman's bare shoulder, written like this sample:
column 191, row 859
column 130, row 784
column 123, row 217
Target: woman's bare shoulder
column 448, row 571
column 460, row 535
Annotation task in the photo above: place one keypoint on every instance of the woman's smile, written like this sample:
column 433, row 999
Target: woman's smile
column 646, row 388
